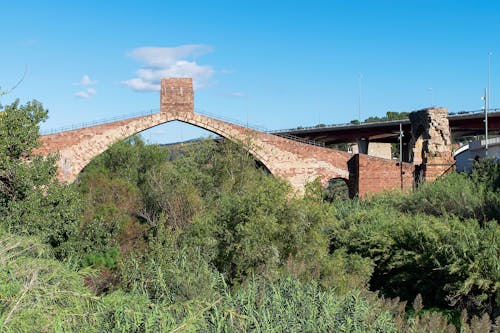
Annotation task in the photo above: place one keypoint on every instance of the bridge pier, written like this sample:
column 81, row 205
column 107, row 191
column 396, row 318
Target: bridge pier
column 431, row 143
column 407, row 156
column 377, row 149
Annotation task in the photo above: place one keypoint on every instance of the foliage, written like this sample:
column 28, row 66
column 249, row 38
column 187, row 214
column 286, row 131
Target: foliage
column 456, row 194
column 108, row 218
column 38, row 293
column 447, row 261
column 31, row 201
column 127, row 160
column 108, row 259
column 464, row 196
column 245, row 223
column 290, row 306
column 336, row 189
column 170, row 274
column 438, row 241
column 390, row 115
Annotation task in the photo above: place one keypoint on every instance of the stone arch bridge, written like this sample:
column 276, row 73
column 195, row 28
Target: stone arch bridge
column 297, row 162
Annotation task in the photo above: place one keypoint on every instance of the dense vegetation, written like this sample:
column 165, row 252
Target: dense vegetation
column 198, row 239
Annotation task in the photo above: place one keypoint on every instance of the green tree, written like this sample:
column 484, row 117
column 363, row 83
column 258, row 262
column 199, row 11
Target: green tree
column 32, row 202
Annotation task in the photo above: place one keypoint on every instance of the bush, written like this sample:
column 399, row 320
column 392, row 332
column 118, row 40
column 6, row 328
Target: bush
column 447, row 260
column 108, row 259
column 38, row 293
column 456, row 194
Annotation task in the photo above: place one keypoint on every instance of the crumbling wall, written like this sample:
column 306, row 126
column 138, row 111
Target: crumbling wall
column 431, row 143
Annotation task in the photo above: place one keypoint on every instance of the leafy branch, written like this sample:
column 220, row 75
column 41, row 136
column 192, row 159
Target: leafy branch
column 5, row 92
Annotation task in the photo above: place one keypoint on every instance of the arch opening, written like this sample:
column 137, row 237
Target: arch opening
column 173, row 132
column 336, row 189
column 184, row 124
column 223, row 133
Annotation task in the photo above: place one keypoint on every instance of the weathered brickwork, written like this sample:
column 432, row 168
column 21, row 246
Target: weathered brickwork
column 370, row 174
column 177, row 96
column 431, row 142
column 297, row 162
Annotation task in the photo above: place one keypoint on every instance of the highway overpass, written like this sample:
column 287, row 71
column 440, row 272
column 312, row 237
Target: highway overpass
column 461, row 125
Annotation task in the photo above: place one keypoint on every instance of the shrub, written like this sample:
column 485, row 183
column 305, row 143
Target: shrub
column 38, row 293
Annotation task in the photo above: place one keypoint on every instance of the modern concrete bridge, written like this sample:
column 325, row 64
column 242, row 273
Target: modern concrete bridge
column 381, row 134
column 297, row 162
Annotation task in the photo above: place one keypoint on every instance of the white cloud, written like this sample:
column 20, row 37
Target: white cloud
column 233, row 94
column 86, row 93
column 160, row 62
column 86, row 81
column 89, row 92
column 82, row 94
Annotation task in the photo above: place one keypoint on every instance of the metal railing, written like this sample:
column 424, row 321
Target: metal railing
column 198, row 111
column 261, row 129
column 459, row 113
column 99, row 122
column 235, row 121
column 299, row 139
column 232, row 120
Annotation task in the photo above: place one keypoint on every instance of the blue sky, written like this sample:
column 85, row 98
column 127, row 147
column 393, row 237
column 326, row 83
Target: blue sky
column 272, row 63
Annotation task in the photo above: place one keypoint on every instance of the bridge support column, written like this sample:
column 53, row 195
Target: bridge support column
column 377, row 149
column 406, row 152
column 362, row 146
column 380, row 149
column 431, row 143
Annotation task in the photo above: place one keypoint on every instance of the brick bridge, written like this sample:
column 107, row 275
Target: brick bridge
column 297, row 162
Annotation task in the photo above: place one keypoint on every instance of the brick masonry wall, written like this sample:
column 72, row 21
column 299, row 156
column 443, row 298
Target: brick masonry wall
column 371, row 174
column 176, row 96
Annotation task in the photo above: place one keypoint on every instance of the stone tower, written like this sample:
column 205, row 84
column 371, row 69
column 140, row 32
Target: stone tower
column 177, row 97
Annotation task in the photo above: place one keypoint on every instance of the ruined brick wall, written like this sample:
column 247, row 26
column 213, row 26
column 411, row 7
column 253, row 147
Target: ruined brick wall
column 431, row 142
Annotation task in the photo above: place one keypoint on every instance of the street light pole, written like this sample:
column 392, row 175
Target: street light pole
column 401, row 153
column 487, row 108
column 360, row 81
column 485, row 103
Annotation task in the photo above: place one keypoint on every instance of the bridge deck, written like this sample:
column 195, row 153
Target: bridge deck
column 461, row 125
